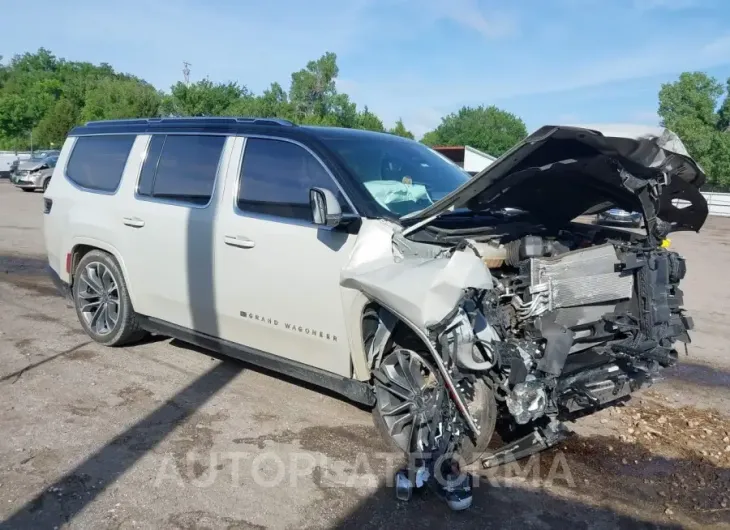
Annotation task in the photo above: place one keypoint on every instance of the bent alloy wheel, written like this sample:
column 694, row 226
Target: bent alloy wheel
column 102, row 301
column 410, row 397
column 411, row 408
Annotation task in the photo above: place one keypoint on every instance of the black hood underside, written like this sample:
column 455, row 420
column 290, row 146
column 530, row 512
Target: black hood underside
column 559, row 173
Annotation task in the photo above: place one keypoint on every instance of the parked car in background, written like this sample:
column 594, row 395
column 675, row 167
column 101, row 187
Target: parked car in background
column 35, row 174
column 8, row 161
column 617, row 216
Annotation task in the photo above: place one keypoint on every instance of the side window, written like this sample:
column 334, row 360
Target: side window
column 181, row 167
column 52, row 161
column 276, row 177
column 97, row 162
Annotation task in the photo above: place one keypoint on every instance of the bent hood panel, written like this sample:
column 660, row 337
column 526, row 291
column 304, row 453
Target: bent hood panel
column 561, row 172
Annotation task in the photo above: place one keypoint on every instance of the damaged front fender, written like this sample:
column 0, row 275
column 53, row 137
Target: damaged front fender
column 423, row 286
column 419, row 282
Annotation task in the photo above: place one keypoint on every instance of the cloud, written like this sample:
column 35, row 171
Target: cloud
column 467, row 13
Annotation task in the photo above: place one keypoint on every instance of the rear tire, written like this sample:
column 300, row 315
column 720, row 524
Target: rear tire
column 102, row 301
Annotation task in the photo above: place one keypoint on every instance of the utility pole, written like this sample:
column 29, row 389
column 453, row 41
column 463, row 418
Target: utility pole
column 186, row 72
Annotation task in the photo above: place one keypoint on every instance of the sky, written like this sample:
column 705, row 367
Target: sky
column 547, row 61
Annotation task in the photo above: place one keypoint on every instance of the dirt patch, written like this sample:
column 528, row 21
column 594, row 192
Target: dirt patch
column 674, row 462
column 23, row 344
column 81, row 355
column 25, row 265
column 31, row 283
column 133, row 394
column 40, row 317
column 193, row 441
column 81, row 410
column 341, row 443
column 202, row 520
column 261, row 417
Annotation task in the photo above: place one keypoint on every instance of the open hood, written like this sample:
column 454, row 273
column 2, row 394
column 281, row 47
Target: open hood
column 560, row 172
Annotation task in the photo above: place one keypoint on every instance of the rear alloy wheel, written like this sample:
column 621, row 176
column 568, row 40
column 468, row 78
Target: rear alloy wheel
column 102, row 301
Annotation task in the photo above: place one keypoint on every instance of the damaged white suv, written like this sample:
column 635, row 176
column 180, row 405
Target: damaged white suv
column 369, row 265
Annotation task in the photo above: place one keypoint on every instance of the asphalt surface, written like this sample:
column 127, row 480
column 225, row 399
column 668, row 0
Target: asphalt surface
column 160, row 435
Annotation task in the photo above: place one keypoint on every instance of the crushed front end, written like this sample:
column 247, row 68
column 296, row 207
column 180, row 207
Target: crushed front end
column 535, row 315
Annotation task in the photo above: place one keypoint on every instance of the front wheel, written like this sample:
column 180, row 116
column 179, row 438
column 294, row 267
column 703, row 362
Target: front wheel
column 102, row 301
column 411, row 403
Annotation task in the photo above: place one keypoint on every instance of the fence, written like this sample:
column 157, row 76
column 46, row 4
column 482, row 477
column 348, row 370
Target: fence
column 718, row 203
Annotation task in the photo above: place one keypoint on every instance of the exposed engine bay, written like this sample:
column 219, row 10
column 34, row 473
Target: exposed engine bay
column 575, row 321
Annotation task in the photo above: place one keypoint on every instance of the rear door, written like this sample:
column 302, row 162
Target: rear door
column 277, row 274
column 169, row 226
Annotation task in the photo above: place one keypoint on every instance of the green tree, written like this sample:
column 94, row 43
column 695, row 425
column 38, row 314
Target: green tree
column 487, row 128
column 45, row 94
column 691, row 108
column 203, row 98
column 313, row 89
column 369, row 121
column 55, row 125
column 431, row 138
column 114, row 99
column 400, row 130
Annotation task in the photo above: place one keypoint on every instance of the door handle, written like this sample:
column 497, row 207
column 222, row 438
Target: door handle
column 135, row 222
column 237, row 241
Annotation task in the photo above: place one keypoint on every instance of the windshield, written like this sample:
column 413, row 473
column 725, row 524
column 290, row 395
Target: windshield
column 402, row 176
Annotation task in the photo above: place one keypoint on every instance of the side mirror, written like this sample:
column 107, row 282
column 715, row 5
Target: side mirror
column 326, row 210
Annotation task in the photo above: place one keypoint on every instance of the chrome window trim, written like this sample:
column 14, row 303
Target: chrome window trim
column 92, row 190
column 281, row 218
column 174, row 202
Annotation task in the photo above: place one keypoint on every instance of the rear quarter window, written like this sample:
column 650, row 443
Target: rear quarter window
column 97, row 162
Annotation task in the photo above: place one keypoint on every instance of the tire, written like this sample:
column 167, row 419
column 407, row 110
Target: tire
column 45, row 184
column 483, row 407
column 98, row 288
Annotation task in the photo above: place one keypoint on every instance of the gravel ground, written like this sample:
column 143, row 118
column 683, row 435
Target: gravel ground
column 160, row 435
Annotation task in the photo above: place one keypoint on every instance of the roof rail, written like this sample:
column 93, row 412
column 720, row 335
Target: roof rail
column 218, row 120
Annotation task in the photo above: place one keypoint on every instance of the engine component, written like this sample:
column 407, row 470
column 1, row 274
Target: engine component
column 460, row 341
column 532, row 247
column 527, row 401
column 581, row 277
column 493, row 255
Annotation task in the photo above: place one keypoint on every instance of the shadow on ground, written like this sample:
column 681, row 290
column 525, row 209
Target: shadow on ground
column 699, row 374
column 78, row 488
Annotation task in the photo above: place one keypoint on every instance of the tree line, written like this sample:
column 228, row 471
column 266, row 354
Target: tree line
column 42, row 97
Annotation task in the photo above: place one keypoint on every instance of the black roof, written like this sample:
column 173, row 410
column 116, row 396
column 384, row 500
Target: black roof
column 217, row 125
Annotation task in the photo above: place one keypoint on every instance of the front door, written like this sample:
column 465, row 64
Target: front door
column 277, row 274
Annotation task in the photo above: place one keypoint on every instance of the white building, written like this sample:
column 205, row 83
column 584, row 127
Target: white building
column 470, row 158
